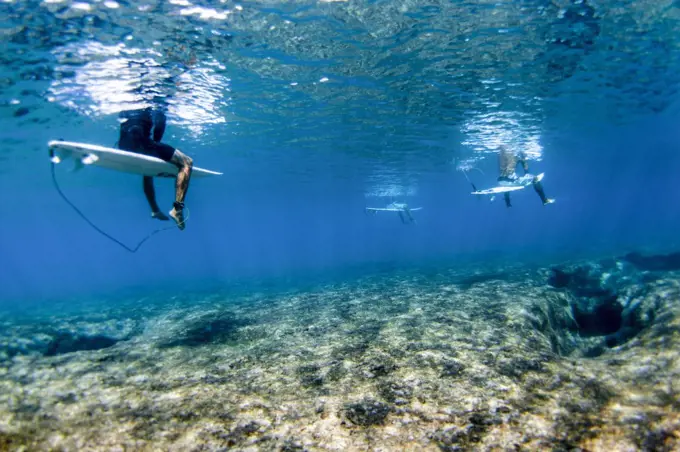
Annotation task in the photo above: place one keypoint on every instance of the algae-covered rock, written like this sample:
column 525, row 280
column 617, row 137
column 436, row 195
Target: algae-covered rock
column 367, row 412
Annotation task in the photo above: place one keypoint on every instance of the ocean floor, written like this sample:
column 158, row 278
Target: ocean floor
column 578, row 356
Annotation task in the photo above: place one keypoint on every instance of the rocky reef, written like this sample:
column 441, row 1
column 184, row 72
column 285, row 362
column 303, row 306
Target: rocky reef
column 577, row 356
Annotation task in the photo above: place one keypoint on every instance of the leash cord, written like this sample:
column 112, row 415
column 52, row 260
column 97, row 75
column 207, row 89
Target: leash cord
column 96, row 228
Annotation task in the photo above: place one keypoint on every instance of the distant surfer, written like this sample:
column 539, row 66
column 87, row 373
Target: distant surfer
column 135, row 136
column 507, row 164
column 401, row 208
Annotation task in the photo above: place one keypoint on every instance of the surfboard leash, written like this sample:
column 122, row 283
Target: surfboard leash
column 97, row 228
column 468, row 179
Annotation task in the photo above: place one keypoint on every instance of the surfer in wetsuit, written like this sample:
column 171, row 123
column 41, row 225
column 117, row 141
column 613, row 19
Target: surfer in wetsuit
column 507, row 163
column 135, row 136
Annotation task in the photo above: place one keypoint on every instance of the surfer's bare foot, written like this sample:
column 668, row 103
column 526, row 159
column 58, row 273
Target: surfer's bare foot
column 159, row 216
column 178, row 216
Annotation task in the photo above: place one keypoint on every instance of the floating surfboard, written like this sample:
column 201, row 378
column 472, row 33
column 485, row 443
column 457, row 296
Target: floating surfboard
column 116, row 159
column 496, row 190
column 392, row 209
column 517, row 184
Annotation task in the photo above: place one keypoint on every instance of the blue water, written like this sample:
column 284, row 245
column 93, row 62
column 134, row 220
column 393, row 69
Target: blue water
column 316, row 110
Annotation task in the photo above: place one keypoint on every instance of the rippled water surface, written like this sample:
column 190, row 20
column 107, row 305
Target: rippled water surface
column 392, row 82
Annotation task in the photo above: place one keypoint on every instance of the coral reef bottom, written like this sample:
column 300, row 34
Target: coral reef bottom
column 584, row 355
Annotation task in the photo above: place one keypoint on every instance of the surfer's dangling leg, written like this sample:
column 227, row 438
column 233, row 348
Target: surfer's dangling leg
column 538, row 187
column 150, row 193
column 522, row 160
column 185, row 165
column 410, row 217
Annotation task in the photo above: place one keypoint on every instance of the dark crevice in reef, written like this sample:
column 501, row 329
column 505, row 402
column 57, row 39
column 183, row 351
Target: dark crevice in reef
column 68, row 343
column 608, row 300
column 596, row 310
column 600, row 319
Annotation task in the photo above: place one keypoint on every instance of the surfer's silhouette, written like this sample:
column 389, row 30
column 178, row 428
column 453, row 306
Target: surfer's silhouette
column 136, row 136
column 507, row 163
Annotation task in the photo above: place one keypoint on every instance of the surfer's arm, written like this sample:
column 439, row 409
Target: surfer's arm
column 158, row 126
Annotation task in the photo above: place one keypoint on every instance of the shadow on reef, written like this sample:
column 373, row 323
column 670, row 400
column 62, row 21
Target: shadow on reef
column 607, row 299
column 480, row 278
column 656, row 262
column 55, row 343
column 68, row 343
column 207, row 329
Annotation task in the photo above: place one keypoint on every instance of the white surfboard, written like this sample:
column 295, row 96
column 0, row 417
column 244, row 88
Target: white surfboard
column 116, row 159
column 496, row 190
column 387, row 209
column 517, row 184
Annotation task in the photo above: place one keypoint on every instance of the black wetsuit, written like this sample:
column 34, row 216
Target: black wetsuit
column 135, row 133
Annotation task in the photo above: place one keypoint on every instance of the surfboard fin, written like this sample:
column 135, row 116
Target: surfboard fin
column 89, row 159
column 57, row 157
column 80, row 163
